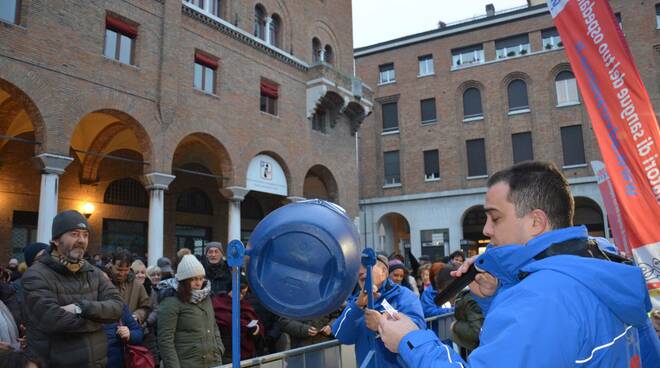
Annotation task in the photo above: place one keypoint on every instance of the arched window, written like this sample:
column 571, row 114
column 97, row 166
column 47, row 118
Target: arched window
column 194, row 201
column 329, row 56
column 316, row 50
column 566, row 87
column 275, row 30
column 126, row 192
column 517, row 91
column 260, row 22
column 472, row 104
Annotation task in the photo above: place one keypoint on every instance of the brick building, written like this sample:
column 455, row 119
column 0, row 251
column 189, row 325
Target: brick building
column 457, row 103
column 172, row 123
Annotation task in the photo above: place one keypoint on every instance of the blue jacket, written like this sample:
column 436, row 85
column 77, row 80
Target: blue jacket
column 349, row 328
column 428, row 304
column 568, row 311
column 115, row 344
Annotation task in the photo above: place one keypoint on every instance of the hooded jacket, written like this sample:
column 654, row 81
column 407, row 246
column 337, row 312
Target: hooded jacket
column 560, row 311
column 188, row 335
column 56, row 336
column 350, row 327
column 428, row 304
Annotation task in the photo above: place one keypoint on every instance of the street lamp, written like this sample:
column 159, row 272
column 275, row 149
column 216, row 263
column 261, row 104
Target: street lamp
column 87, row 209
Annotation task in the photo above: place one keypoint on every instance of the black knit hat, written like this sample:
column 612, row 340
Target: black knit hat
column 30, row 251
column 67, row 221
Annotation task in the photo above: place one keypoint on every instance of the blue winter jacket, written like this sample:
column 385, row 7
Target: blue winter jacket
column 560, row 311
column 349, row 328
column 428, row 304
column 115, row 344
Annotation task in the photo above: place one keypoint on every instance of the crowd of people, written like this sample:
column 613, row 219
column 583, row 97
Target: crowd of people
column 554, row 300
column 64, row 308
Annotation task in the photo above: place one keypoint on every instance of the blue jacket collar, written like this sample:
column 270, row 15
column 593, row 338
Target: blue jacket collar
column 505, row 262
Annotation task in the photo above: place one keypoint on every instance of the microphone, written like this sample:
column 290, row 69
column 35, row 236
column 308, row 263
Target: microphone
column 456, row 286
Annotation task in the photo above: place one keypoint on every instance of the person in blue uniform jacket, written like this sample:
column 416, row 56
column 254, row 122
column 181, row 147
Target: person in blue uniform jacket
column 543, row 307
column 357, row 326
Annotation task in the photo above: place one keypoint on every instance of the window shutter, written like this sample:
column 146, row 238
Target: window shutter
column 517, row 91
column 572, row 145
column 390, row 116
column 206, row 60
column 476, row 157
column 428, row 109
column 472, row 103
column 522, row 147
column 121, row 26
column 270, row 89
column 512, row 41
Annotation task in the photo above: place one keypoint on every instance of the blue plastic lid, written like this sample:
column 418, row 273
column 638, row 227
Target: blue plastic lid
column 304, row 259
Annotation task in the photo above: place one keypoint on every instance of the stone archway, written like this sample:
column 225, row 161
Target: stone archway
column 474, row 220
column 393, row 233
column 109, row 146
column 320, row 183
column 196, row 210
column 589, row 214
column 21, row 138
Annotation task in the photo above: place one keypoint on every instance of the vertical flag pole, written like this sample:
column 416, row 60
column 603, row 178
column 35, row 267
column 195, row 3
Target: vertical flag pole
column 368, row 261
column 235, row 252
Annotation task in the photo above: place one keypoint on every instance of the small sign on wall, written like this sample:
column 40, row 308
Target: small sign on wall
column 265, row 174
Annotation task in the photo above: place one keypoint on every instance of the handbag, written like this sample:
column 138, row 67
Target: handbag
column 137, row 356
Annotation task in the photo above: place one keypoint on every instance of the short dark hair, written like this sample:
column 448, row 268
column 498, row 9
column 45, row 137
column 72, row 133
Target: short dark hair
column 538, row 185
column 456, row 254
column 124, row 257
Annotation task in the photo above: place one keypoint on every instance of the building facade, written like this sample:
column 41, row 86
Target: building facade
column 460, row 102
column 173, row 123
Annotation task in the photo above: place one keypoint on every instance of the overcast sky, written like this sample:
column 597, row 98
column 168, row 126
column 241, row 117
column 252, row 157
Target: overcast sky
column 376, row 21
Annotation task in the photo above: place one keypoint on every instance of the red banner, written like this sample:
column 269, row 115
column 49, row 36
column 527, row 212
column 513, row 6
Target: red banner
column 624, row 122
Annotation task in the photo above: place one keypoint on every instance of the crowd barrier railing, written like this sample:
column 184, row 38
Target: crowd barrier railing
column 331, row 354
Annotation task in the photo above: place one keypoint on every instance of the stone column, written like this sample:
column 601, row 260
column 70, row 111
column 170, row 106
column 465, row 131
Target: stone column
column 267, row 34
column 157, row 184
column 235, row 195
column 51, row 166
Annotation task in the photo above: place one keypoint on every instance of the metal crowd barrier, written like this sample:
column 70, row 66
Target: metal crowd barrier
column 332, row 354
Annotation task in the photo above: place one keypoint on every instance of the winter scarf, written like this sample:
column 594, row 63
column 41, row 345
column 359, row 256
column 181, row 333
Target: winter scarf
column 168, row 287
column 70, row 264
column 198, row 296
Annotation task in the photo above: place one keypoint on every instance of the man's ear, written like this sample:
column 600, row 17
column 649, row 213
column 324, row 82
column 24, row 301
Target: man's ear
column 540, row 222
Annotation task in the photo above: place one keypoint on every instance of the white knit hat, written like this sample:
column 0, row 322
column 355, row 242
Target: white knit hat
column 189, row 267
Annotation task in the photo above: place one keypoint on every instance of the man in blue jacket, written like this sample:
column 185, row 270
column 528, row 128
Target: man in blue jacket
column 357, row 326
column 544, row 307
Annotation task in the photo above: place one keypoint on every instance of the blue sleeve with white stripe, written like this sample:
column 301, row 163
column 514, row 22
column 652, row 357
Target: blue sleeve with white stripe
column 422, row 349
column 346, row 326
column 533, row 330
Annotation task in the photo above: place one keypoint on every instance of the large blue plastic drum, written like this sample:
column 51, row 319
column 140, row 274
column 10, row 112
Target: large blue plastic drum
column 304, row 259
